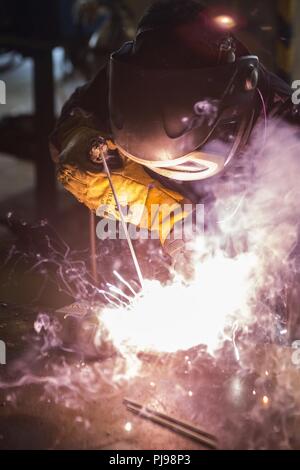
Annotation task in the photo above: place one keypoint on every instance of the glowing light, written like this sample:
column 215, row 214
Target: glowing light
column 265, row 400
column 179, row 316
column 254, row 392
column 190, row 394
column 225, row 21
column 266, row 28
column 128, row 427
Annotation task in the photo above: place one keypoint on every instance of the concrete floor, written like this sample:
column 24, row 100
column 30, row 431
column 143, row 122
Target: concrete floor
column 53, row 398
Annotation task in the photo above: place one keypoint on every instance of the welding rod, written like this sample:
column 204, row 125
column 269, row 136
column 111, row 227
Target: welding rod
column 123, row 222
column 173, row 424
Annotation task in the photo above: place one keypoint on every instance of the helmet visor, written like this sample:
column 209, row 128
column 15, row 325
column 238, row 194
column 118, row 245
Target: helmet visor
column 160, row 116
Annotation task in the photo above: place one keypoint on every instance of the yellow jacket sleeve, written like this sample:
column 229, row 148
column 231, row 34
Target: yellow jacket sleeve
column 134, row 187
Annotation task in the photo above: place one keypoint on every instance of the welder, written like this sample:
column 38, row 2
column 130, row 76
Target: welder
column 173, row 110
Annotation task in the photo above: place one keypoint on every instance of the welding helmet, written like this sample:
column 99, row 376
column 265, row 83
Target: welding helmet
column 186, row 124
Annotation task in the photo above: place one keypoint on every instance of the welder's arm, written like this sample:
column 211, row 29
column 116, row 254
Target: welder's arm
column 84, row 117
column 135, row 189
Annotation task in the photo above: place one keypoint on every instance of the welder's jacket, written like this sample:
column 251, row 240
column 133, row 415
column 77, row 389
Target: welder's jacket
column 86, row 116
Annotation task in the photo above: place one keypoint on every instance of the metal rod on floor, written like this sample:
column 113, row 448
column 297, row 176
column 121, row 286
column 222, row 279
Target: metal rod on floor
column 173, row 424
column 123, row 222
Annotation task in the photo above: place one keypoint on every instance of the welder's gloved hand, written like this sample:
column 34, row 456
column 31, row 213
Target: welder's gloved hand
column 100, row 147
column 85, row 148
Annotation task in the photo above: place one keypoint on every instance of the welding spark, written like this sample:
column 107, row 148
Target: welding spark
column 265, row 400
column 180, row 316
column 236, row 350
column 128, row 427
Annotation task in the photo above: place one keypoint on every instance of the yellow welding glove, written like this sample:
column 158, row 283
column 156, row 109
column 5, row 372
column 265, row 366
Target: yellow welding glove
column 77, row 136
column 149, row 205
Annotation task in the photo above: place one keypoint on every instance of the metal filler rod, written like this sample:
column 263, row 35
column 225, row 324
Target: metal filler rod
column 173, row 424
column 123, row 222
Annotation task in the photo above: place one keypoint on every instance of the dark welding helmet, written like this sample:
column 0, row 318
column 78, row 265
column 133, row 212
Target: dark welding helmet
column 184, row 124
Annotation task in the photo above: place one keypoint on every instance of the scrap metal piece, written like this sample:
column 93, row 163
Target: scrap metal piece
column 173, row 424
